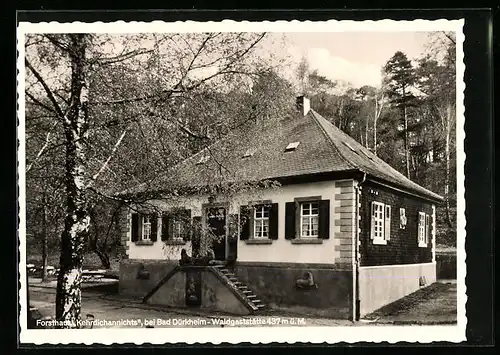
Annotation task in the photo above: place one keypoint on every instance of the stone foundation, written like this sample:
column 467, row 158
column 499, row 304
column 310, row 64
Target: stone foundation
column 139, row 277
column 133, row 286
column 276, row 286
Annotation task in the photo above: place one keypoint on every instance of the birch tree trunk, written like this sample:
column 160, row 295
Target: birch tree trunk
column 375, row 127
column 366, row 130
column 68, row 294
column 447, row 159
column 407, row 153
column 44, row 240
column 378, row 111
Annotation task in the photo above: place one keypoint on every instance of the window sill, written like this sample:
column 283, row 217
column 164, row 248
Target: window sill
column 144, row 242
column 379, row 241
column 259, row 241
column 422, row 245
column 307, row 241
column 174, row 242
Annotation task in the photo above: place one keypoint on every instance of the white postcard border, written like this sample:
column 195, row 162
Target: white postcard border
column 254, row 335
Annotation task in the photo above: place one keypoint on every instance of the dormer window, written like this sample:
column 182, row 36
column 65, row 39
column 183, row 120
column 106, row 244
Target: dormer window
column 350, row 147
column 203, row 159
column 250, row 152
column 292, row 146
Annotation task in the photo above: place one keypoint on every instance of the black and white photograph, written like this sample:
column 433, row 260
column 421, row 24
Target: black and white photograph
column 260, row 182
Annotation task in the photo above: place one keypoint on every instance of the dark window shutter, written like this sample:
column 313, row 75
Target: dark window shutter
column 324, row 219
column 196, row 236
column 154, row 227
column 273, row 221
column 135, row 227
column 233, row 237
column 233, row 226
column 245, row 222
column 290, row 220
column 165, row 220
column 186, row 221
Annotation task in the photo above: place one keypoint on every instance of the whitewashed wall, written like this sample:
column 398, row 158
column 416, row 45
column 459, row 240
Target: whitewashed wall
column 281, row 250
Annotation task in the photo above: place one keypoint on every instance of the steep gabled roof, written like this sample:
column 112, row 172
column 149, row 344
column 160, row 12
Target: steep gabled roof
column 255, row 152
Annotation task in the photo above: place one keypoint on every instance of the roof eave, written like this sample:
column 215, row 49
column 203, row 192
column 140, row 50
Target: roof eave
column 430, row 196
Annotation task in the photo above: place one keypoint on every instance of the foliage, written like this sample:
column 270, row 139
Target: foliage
column 409, row 121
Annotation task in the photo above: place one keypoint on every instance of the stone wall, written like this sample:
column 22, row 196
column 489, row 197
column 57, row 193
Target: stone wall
column 133, row 286
column 275, row 285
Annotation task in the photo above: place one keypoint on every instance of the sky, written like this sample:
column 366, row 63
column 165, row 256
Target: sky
column 355, row 57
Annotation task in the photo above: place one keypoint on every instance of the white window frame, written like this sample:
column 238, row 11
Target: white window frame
column 310, row 217
column 422, row 232
column 259, row 223
column 146, row 222
column 177, row 231
column 378, row 230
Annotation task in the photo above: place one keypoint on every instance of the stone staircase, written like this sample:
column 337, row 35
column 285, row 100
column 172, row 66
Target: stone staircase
column 251, row 300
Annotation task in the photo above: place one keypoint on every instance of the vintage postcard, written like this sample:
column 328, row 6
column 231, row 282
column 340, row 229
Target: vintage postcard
column 262, row 182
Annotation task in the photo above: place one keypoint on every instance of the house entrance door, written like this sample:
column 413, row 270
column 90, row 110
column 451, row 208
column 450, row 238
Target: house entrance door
column 216, row 222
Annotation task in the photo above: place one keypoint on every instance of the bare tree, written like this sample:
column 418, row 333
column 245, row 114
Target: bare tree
column 81, row 101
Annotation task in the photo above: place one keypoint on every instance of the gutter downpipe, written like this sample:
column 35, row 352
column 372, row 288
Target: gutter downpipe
column 356, row 261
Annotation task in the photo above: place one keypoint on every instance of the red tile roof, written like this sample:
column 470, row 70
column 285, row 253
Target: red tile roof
column 323, row 148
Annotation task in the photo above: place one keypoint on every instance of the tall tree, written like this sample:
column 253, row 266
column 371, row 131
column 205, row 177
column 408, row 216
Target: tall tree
column 400, row 80
column 436, row 80
column 97, row 114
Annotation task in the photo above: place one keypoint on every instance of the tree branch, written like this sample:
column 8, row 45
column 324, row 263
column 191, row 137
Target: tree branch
column 121, row 57
column 49, row 93
column 449, row 37
column 38, row 102
column 47, row 139
column 170, row 92
column 115, row 147
column 56, row 43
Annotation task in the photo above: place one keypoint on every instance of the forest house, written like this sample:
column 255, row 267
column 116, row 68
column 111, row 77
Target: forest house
column 324, row 227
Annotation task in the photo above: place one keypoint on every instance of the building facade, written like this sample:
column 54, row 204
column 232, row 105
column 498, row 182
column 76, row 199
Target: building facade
column 341, row 234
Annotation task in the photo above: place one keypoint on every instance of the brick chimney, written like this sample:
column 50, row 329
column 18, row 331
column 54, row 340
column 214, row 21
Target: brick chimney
column 303, row 105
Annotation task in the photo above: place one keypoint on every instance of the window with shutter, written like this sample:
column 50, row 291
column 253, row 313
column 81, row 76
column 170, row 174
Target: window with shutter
column 377, row 228
column 176, row 225
column 146, row 227
column 309, row 220
column 261, row 221
column 421, row 230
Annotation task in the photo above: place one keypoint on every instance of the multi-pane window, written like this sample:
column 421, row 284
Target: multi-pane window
column 421, row 228
column 146, row 227
column 309, row 219
column 175, row 225
column 377, row 220
column 177, row 228
column 261, row 221
column 424, row 229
